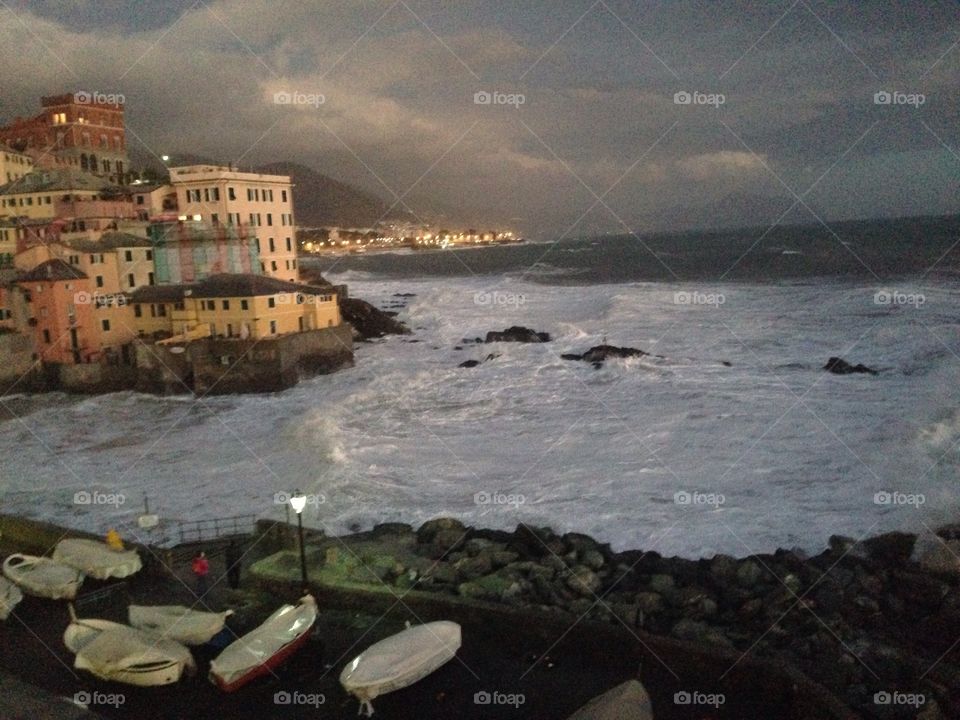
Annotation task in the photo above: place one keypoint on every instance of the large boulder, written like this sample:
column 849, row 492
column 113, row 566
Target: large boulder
column 893, row 548
column 368, row 321
column 517, row 333
column 839, row 366
column 599, row 353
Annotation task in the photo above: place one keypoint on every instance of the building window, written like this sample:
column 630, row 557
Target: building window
column 283, row 195
column 99, row 281
column 289, row 245
column 244, row 305
column 105, row 324
column 273, row 246
column 137, row 310
column 273, row 264
column 273, row 327
column 131, row 281
column 271, row 302
column 269, row 219
column 149, row 254
column 216, row 194
column 128, row 255
column 150, row 279
column 46, row 336
column 231, row 193
column 225, row 304
column 162, row 310
column 214, row 219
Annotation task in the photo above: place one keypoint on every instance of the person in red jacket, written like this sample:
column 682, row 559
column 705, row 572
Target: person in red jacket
column 201, row 568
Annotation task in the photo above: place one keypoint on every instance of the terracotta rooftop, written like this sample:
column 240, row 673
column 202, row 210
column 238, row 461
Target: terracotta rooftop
column 226, row 285
column 52, row 270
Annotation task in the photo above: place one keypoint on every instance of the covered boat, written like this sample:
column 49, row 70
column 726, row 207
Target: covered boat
column 120, row 653
column 627, row 701
column 400, row 660
column 264, row 648
column 42, row 576
column 97, row 559
column 179, row 623
column 10, row 595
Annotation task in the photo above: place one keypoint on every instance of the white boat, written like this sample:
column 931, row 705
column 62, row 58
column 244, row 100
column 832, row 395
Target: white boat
column 176, row 622
column 262, row 649
column 97, row 559
column 42, row 576
column 400, row 660
column 120, row 653
column 627, row 701
column 10, row 595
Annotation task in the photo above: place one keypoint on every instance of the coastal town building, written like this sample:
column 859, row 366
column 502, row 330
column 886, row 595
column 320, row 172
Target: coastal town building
column 241, row 306
column 13, row 165
column 63, row 329
column 188, row 251
column 83, row 130
column 52, row 193
column 260, row 204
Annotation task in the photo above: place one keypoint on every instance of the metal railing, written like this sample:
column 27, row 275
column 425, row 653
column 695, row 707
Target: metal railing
column 192, row 531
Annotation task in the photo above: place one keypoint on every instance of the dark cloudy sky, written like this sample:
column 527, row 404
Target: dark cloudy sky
column 598, row 144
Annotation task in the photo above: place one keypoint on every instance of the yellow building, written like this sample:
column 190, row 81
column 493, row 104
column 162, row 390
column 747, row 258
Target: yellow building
column 13, row 165
column 37, row 194
column 233, row 306
column 262, row 203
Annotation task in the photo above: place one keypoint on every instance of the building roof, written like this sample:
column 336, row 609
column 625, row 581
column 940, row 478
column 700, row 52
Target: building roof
column 55, row 180
column 226, row 285
column 110, row 240
column 51, row 271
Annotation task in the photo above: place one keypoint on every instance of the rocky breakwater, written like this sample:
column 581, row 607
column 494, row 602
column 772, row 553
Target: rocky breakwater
column 876, row 621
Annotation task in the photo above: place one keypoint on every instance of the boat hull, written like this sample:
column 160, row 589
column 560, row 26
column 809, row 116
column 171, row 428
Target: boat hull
column 262, row 669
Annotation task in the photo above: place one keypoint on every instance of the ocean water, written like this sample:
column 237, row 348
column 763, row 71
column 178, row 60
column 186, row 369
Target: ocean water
column 728, row 438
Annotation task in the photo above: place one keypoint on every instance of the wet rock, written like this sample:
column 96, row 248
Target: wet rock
column 490, row 587
column 662, row 583
column 723, row 568
column 894, row 548
column 517, row 333
column 367, row 321
column 592, row 559
column 469, row 363
column 502, row 558
column 649, row 603
column 584, row 581
column 471, row 568
column 839, row 366
column 942, row 558
column 699, row 631
column 534, row 542
column 441, row 572
column 441, row 536
column 600, row 353
column 749, row 574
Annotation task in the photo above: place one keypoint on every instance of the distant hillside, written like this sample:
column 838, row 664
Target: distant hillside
column 318, row 199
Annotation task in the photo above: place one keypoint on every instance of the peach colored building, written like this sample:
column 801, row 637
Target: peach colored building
column 63, row 328
column 263, row 204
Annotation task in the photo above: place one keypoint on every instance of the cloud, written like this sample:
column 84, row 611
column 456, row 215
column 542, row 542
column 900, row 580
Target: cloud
column 722, row 165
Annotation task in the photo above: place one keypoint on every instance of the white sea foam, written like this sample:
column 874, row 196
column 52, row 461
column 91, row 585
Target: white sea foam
column 405, row 435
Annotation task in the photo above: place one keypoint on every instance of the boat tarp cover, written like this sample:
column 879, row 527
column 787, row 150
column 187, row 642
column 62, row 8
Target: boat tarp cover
column 97, row 559
column 43, row 576
column 10, row 595
column 176, row 622
column 627, row 701
column 259, row 645
column 401, row 659
column 116, row 650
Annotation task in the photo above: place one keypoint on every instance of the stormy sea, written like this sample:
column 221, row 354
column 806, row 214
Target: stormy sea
column 728, row 437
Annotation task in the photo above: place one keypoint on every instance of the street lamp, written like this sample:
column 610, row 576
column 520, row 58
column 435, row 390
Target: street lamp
column 298, row 501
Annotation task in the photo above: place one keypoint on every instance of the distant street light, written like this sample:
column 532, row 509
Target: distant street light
column 165, row 158
column 298, row 501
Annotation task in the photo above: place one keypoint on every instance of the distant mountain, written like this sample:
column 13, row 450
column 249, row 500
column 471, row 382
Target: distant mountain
column 318, row 199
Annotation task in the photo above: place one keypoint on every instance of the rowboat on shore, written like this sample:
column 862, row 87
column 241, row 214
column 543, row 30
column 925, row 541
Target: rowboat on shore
column 120, row 653
column 178, row 623
column 266, row 647
column 42, row 576
column 400, row 660
column 627, row 701
column 97, row 559
column 10, row 595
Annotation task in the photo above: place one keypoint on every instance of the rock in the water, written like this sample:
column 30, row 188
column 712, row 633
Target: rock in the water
column 628, row 701
column 584, row 581
column 893, row 548
column 369, row 322
column 469, row 363
column 941, row 557
column 839, row 366
column 599, row 353
column 517, row 333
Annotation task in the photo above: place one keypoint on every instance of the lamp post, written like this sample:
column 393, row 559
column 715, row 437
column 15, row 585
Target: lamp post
column 298, row 501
